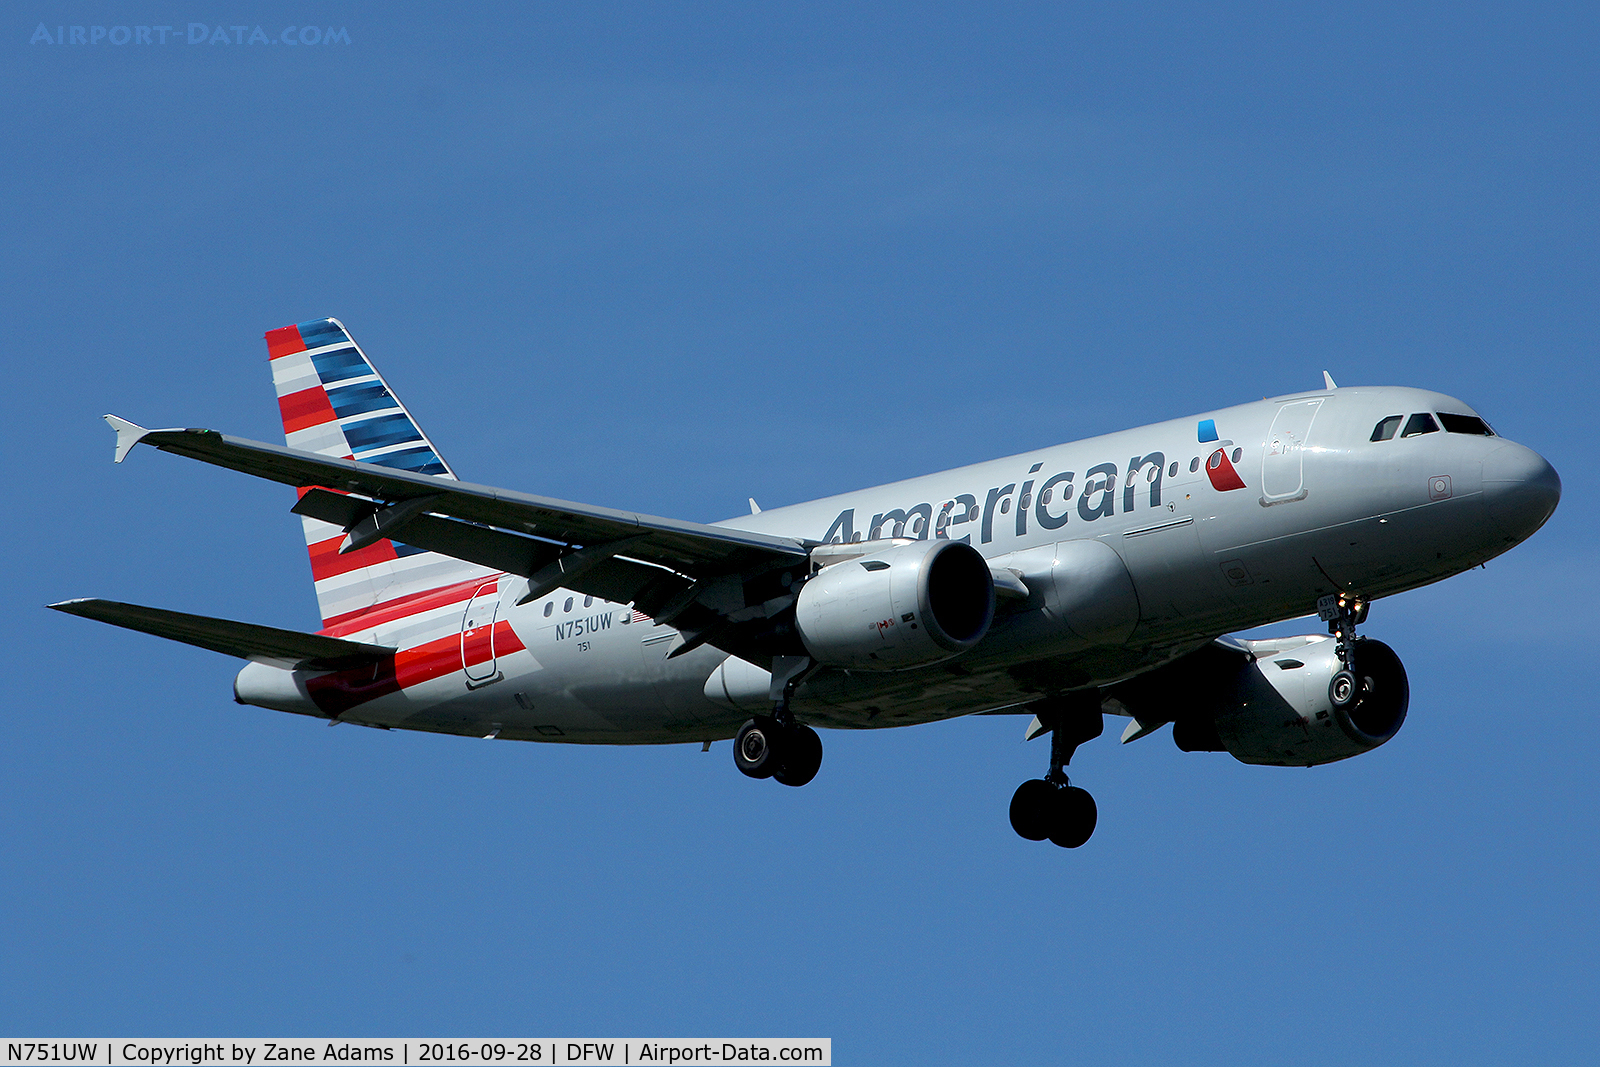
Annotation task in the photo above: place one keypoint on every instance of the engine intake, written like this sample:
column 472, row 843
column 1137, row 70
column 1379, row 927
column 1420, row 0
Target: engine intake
column 1278, row 708
column 1280, row 711
column 906, row 605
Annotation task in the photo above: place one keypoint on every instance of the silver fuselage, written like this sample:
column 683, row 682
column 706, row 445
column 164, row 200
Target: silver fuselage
column 1319, row 507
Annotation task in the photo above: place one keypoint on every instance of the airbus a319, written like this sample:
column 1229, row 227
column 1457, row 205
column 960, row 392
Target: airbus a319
column 1065, row 583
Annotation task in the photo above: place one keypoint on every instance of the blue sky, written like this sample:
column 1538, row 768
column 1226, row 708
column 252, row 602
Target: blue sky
column 667, row 257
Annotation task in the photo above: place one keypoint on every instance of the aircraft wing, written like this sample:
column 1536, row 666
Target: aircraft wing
column 264, row 644
column 702, row 579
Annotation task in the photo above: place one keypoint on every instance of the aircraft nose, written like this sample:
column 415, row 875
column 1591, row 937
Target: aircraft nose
column 1520, row 488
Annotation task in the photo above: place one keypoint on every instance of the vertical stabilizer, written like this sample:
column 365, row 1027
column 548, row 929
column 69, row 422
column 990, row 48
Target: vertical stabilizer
column 334, row 402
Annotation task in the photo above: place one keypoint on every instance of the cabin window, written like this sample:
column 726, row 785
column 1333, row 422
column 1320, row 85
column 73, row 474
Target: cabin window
column 1386, row 428
column 1194, row 464
column 1022, row 505
column 1238, row 452
column 1005, row 506
column 1465, row 424
column 1044, row 497
column 1172, row 471
column 588, row 600
column 568, row 605
column 549, row 607
column 1419, row 424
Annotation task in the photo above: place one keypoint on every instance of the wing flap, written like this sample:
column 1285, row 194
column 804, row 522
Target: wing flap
column 668, row 542
column 614, row 578
column 722, row 583
column 264, row 644
column 509, row 552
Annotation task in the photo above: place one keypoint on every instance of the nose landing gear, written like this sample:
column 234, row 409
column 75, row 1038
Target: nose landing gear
column 1342, row 612
column 1052, row 807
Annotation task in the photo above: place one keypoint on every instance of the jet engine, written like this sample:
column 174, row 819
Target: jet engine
column 904, row 605
column 1288, row 704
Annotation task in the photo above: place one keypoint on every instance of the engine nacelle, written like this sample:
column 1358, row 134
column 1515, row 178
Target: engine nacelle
column 1279, row 711
column 905, row 606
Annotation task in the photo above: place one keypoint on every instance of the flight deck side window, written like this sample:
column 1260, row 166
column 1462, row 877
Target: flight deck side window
column 1465, row 424
column 1420, row 423
column 1385, row 429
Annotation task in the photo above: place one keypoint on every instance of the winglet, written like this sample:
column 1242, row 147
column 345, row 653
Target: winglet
column 1328, row 380
column 128, row 435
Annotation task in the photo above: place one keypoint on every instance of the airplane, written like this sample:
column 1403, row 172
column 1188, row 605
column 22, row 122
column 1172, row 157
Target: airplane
column 1069, row 582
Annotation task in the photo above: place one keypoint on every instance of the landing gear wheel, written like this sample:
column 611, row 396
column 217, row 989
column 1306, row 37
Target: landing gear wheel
column 758, row 748
column 1032, row 807
column 1344, row 690
column 1074, row 817
column 802, row 756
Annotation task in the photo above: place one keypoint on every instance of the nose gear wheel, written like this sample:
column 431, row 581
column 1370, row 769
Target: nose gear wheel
column 1343, row 612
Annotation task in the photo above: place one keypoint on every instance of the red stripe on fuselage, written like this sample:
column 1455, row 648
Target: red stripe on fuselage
column 342, row 690
column 283, row 341
column 308, row 407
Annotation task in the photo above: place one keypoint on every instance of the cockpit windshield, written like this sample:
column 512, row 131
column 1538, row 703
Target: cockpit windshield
column 1423, row 422
column 1465, row 424
column 1420, row 423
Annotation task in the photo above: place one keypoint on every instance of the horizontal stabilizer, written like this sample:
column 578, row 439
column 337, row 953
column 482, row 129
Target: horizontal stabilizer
column 264, row 644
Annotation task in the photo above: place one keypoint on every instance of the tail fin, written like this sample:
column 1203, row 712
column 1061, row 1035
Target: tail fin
column 334, row 402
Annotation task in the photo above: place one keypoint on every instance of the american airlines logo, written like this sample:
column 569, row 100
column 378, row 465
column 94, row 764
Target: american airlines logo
column 1049, row 507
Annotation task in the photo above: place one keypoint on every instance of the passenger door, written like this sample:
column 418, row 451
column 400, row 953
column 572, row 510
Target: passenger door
column 1283, row 462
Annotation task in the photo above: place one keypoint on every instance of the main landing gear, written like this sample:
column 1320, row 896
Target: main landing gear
column 1052, row 807
column 1342, row 612
column 775, row 746
column 768, row 748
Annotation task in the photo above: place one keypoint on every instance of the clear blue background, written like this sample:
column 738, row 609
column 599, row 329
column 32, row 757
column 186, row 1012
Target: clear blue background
column 667, row 257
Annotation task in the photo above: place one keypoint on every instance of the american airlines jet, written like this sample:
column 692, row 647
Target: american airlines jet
column 1065, row 583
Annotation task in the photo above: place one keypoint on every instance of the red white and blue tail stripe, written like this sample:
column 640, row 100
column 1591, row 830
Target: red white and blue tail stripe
column 335, row 403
